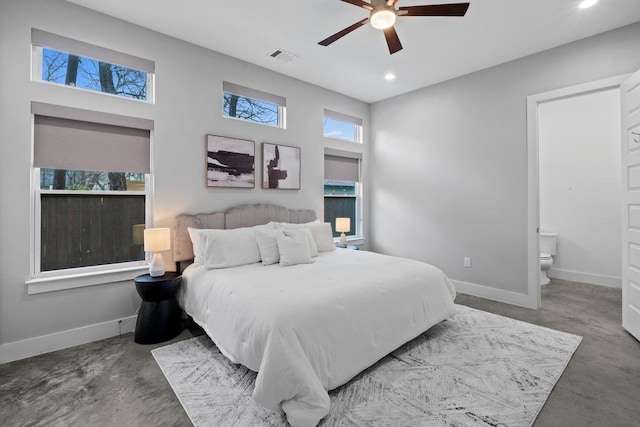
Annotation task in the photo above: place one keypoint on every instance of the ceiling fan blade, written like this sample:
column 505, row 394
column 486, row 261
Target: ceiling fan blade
column 340, row 34
column 391, row 2
column 393, row 41
column 453, row 9
column 360, row 3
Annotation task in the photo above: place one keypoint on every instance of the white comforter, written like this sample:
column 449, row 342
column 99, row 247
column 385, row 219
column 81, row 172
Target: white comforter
column 310, row 328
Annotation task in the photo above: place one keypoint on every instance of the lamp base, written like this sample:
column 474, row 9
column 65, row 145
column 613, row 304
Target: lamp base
column 343, row 240
column 156, row 268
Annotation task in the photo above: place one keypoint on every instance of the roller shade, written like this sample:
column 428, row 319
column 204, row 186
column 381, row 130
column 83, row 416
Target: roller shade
column 246, row 92
column 342, row 165
column 75, row 47
column 342, row 117
column 65, row 143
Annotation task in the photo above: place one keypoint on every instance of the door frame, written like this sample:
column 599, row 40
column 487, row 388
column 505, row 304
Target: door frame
column 533, row 172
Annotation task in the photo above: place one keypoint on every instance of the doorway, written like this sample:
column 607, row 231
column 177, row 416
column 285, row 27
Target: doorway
column 577, row 239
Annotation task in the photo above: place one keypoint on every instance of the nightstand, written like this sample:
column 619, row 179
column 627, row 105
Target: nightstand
column 352, row 247
column 160, row 316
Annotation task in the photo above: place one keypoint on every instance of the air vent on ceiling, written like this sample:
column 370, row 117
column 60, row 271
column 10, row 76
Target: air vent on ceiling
column 282, row 55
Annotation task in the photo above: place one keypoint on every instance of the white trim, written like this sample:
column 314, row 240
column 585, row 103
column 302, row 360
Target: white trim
column 591, row 278
column 533, row 196
column 46, row 343
column 51, row 283
column 508, row 297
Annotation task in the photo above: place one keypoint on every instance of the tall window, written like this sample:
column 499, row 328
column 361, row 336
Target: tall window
column 91, row 171
column 342, row 189
column 68, row 62
column 342, row 126
column 253, row 105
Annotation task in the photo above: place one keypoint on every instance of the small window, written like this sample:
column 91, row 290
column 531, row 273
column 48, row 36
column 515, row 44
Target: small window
column 341, row 126
column 252, row 105
column 72, row 63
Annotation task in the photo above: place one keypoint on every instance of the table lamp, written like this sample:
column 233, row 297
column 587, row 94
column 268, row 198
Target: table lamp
column 157, row 240
column 343, row 225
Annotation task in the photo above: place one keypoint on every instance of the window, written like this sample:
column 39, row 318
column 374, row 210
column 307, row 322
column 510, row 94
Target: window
column 69, row 62
column 252, row 105
column 92, row 175
column 341, row 126
column 342, row 189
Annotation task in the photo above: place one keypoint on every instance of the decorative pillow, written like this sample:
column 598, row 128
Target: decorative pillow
column 199, row 235
column 293, row 250
column 230, row 248
column 268, row 245
column 292, row 225
column 198, row 245
column 293, row 232
column 323, row 237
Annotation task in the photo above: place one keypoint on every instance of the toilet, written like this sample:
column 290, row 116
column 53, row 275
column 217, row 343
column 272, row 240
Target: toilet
column 548, row 246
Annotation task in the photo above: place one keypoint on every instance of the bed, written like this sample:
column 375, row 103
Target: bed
column 311, row 327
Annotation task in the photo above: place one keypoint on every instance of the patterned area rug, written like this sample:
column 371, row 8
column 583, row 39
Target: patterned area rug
column 474, row 369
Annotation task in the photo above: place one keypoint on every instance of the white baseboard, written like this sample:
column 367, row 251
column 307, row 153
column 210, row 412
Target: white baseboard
column 509, row 297
column 46, row 343
column 594, row 279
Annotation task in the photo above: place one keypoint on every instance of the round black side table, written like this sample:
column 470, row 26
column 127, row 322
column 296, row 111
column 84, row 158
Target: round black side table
column 160, row 316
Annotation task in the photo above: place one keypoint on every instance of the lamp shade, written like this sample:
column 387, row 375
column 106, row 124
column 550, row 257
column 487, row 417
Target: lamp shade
column 343, row 225
column 157, row 239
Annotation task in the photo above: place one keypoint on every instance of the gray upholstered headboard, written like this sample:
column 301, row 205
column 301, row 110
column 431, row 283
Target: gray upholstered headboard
column 240, row 216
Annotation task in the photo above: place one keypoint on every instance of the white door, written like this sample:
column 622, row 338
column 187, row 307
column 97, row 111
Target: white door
column 630, row 97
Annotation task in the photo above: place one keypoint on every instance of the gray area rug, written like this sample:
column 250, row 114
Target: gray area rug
column 474, row 369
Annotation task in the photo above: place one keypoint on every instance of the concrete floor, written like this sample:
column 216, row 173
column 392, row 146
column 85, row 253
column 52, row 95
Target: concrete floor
column 117, row 382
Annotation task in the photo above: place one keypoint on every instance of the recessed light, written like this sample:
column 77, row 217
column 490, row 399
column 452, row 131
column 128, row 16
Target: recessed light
column 389, row 76
column 587, row 3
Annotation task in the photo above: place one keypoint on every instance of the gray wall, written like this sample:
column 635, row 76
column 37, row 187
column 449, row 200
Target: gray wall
column 188, row 106
column 450, row 160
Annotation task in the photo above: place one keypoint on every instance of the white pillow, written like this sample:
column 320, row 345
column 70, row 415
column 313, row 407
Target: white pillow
column 268, row 245
column 199, row 235
column 293, row 250
column 198, row 245
column 293, row 225
column 313, row 251
column 232, row 247
column 323, row 237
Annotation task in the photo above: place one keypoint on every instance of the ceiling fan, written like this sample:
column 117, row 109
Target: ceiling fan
column 384, row 13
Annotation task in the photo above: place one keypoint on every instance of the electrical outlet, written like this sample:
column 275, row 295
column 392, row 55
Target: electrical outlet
column 467, row 262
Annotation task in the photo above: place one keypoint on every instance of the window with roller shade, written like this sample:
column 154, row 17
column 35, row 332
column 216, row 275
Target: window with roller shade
column 252, row 105
column 91, row 172
column 342, row 126
column 342, row 189
column 72, row 63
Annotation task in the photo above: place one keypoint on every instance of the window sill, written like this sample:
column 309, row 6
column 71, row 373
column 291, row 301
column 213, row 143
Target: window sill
column 43, row 284
column 351, row 240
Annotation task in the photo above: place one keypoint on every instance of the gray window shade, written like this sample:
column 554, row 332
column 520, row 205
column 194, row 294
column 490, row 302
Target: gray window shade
column 342, row 117
column 64, row 44
column 64, row 143
column 254, row 94
column 342, row 165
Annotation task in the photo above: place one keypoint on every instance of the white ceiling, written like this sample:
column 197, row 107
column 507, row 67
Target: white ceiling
column 435, row 49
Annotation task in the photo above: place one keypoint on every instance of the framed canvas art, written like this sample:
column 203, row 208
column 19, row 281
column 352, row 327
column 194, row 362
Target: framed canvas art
column 280, row 166
column 230, row 162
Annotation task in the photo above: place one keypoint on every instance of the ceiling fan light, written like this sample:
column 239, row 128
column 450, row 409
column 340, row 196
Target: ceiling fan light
column 587, row 3
column 382, row 19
